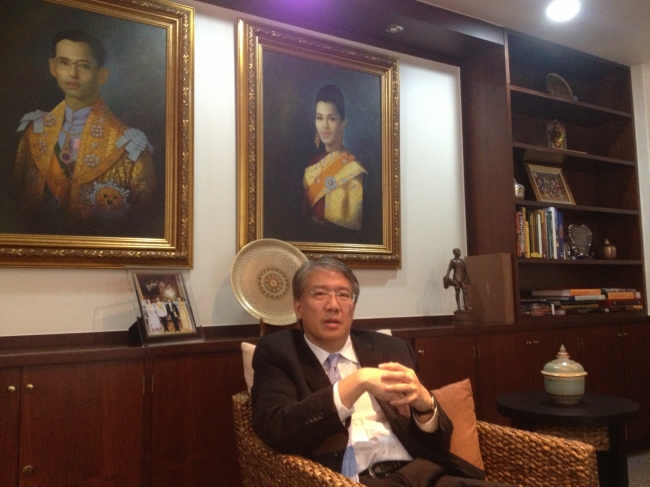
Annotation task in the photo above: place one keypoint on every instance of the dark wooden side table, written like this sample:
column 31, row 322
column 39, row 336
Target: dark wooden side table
column 527, row 409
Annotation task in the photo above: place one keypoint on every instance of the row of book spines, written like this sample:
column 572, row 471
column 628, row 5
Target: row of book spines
column 539, row 233
column 580, row 294
column 545, row 309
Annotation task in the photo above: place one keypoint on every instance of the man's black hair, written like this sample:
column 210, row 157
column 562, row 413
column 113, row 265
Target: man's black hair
column 77, row 35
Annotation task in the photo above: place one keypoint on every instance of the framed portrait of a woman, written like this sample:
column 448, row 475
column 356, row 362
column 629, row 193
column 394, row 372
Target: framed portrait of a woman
column 318, row 141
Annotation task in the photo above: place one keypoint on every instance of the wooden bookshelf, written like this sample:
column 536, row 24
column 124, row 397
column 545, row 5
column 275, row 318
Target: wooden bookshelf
column 599, row 162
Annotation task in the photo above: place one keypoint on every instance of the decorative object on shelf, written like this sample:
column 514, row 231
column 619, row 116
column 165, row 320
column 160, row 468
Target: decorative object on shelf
column 261, row 276
column 564, row 379
column 162, row 299
column 555, row 135
column 519, row 190
column 549, row 184
column 459, row 281
column 557, row 86
column 607, row 251
column 580, row 241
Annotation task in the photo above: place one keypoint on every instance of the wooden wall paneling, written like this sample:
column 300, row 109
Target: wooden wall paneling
column 9, row 424
column 193, row 442
column 487, row 153
column 81, row 424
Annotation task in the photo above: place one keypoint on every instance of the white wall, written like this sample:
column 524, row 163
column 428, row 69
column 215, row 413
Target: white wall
column 641, row 96
column 42, row 301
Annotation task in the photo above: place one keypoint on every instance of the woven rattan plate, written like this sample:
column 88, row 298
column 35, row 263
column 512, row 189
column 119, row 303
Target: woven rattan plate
column 557, row 86
column 261, row 277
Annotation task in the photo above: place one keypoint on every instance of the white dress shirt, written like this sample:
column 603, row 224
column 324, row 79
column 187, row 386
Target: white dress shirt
column 372, row 437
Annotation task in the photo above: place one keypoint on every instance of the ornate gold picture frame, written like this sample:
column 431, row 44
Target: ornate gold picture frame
column 318, row 142
column 96, row 166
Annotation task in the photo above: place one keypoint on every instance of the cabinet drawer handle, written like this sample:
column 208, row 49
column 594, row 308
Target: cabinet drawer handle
column 11, row 388
column 30, row 387
column 28, row 470
column 420, row 352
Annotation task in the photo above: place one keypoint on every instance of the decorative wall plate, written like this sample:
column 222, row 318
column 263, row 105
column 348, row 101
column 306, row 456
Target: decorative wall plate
column 261, row 277
column 557, row 86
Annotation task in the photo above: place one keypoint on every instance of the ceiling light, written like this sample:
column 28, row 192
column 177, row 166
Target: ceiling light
column 394, row 29
column 562, row 10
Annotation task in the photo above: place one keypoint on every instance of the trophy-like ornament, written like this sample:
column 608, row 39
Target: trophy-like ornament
column 580, row 241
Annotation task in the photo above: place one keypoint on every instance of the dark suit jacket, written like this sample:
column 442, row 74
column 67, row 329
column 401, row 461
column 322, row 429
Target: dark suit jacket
column 294, row 411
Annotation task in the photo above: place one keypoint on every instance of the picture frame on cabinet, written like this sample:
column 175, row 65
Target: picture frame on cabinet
column 333, row 190
column 549, row 184
column 163, row 304
column 115, row 190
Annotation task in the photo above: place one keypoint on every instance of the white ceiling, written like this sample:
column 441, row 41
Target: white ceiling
column 618, row 30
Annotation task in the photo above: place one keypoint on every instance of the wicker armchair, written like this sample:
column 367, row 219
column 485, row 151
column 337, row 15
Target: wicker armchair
column 510, row 456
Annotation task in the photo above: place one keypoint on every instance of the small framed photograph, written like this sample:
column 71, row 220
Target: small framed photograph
column 549, row 184
column 163, row 304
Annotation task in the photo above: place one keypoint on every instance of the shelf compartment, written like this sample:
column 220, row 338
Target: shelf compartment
column 622, row 230
column 603, row 189
column 566, row 276
column 568, row 158
column 592, row 80
column 531, row 102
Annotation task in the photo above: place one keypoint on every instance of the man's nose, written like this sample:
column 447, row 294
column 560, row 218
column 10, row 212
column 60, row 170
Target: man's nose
column 331, row 301
column 74, row 70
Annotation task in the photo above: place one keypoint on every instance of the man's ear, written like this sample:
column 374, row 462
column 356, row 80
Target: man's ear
column 103, row 76
column 296, row 308
column 52, row 63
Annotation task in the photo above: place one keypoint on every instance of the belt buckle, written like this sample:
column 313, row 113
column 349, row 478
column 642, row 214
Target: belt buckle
column 389, row 467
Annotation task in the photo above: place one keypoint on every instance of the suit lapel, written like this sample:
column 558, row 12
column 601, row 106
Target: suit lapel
column 314, row 374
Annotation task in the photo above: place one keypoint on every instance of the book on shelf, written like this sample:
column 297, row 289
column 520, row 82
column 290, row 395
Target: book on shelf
column 561, row 312
column 567, row 292
column 622, row 294
column 579, row 298
column 610, row 303
column 628, row 307
column 490, row 290
column 539, row 233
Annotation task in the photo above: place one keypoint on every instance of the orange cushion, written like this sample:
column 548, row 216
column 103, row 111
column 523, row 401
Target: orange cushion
column 457, row 401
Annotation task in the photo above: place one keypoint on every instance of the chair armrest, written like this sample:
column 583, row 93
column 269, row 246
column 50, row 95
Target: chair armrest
column 524, row 458
column 261, row 466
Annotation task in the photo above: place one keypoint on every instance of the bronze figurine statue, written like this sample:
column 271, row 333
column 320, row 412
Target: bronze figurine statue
column 460, row 279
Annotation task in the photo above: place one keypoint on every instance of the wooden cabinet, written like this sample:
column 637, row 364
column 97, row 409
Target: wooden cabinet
column 80, row 425
column 9, row 425
column 512, row 362
column 636, row 347
column 193, row 441
column 599, row 349
column 599, row 162
column 443, row 360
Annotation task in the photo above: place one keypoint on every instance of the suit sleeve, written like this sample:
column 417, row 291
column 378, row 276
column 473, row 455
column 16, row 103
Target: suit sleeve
column 287, row 414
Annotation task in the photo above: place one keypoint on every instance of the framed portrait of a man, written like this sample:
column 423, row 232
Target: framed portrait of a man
column 96, row 153
column 318, row 141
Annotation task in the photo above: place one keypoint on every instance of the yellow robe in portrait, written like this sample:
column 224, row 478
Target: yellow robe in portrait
column 337, row 177
column 113, row 173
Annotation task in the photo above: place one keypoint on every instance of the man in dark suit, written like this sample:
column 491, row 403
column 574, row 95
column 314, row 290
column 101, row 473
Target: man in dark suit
column 371, row 419
column 172, row 312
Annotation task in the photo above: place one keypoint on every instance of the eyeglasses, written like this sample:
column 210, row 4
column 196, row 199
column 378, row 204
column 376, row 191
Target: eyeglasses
column 343, row 297
column 64, row 64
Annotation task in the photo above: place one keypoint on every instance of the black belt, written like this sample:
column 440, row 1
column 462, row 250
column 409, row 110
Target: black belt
column 382, row 470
